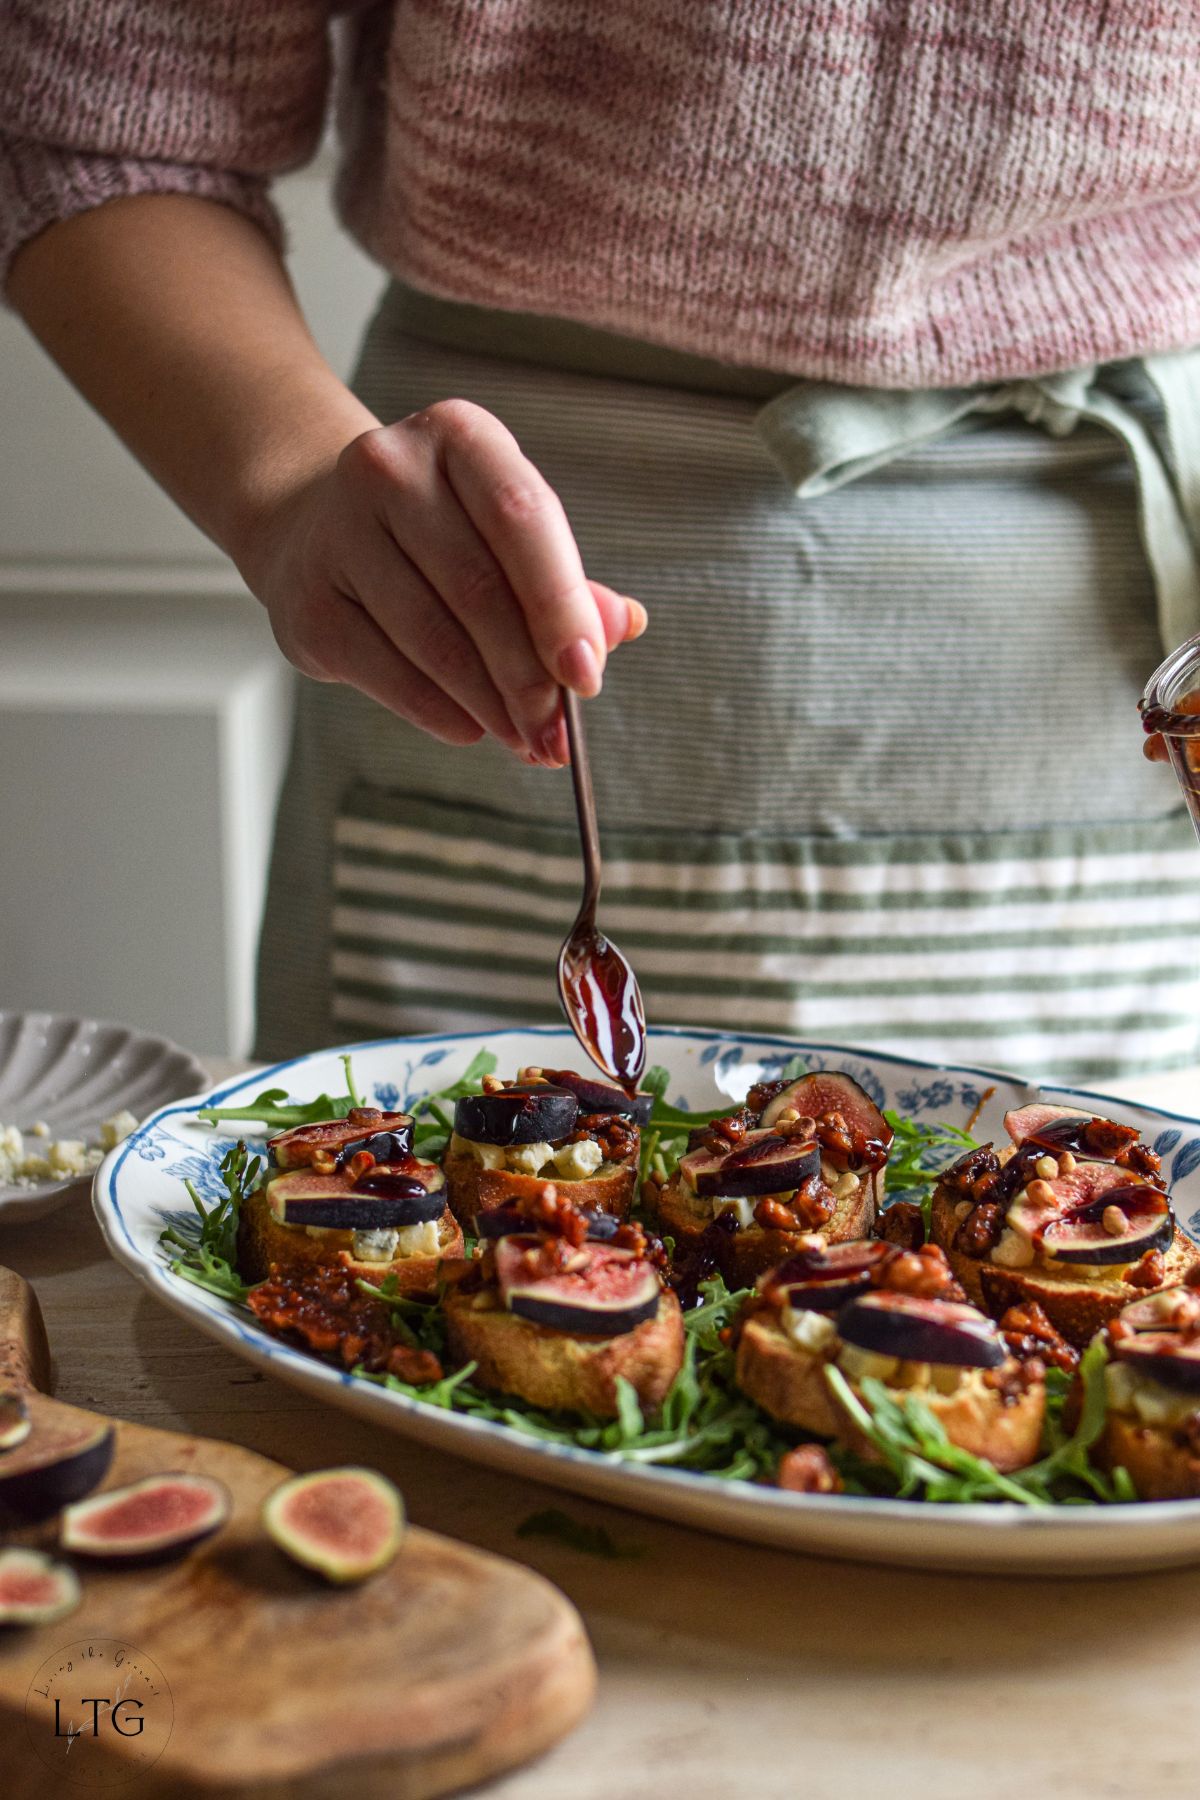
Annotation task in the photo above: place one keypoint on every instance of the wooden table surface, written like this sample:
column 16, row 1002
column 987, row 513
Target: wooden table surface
column 724, row 1670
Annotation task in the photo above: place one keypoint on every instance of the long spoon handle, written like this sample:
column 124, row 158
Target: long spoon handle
column 585, row 799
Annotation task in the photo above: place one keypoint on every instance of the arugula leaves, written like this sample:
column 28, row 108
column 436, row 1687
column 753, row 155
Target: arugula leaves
column 592, row 1540
column 922, row 1463
column 918, row 1157
column 208, row 1252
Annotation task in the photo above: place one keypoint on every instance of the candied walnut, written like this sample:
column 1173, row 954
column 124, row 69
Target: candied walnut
column 1150, row 1273
column 325, row 1309
column 773, row 1215
column 924, row 1274
column 417, row 1367
column 616, row 1134
column 762, row 1094
column 1014, row 1378
column 808, row 1470
column 980, row 1231
column 902, row 1224
column 1105, row 1138
column 973, row 1173
column 551, row 1211
column 813, row 1203
column 1029, row 1334
column 1140, row 1158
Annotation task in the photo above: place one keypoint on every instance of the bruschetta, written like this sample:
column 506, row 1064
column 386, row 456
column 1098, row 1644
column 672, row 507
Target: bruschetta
column 349, row 1193
column 873, row 1311
column 547, row 1125
column 1152, row 1386
column 800, row 1159
column 556, row 1312
column 1071, row 1214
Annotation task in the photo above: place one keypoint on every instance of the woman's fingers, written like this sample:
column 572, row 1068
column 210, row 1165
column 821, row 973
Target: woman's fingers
column 365, row 657
column 623, row 618
column 520, row 518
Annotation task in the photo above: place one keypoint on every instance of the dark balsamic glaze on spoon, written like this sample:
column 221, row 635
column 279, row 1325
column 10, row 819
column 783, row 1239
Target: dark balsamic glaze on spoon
column 597, row 986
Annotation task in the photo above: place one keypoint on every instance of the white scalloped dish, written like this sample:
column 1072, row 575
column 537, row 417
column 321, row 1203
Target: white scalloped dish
column 71, row 1074
column 138, row 1189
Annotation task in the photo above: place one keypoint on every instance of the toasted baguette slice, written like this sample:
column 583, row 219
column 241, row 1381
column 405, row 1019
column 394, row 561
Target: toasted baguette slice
column 1159, row 1467
column 742, row 1256
column 789, row 1382
column 943, row 1224
column 263, row 1244
column 555, row 1370
column 785, row 1380
column 471, row 1189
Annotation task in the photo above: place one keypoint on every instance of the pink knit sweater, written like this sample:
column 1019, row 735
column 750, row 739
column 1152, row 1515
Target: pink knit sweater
column 869, row 191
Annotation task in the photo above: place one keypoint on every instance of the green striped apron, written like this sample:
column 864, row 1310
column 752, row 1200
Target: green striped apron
column 872, row 776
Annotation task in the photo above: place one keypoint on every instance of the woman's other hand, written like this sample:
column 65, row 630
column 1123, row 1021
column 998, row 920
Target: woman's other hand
column 433, row 567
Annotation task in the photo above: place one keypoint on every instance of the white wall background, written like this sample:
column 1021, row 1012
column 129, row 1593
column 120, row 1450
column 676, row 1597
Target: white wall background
column 143, row 705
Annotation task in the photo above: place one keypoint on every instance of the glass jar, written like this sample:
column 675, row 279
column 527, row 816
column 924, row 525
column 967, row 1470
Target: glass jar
column 1170, row 707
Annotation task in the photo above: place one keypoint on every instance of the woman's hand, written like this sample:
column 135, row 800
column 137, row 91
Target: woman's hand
column 433, row 567
column 427, row 563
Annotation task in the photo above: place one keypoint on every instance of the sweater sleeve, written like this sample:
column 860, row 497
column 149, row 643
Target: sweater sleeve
column 104, row 98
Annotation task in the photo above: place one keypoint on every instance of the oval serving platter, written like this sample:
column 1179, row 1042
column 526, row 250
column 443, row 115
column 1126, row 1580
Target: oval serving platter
column 138, row 1189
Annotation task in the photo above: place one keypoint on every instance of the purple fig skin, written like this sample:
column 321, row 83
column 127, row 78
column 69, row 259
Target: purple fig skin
column 524, row 1113
column 313, row 1520
column 158, row 1517
column 1165, row 1356
column 762, row 1164
column 34, row 1590
column 932, row 1331
column 56, row 1464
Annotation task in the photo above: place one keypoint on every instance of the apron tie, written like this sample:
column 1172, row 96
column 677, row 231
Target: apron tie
column 822, row 437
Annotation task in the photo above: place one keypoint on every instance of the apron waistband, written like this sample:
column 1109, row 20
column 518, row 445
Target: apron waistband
column 823, row 437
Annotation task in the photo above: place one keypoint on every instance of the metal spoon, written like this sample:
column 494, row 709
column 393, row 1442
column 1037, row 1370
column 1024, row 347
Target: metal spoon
column 597, row 987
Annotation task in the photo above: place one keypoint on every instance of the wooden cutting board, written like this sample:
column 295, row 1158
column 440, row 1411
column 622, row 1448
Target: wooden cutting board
column 446, row 1669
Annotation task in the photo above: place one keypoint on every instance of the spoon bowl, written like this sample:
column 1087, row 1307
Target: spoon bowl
column 596, row 984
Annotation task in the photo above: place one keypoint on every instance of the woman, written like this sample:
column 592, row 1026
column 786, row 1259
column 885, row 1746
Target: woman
column 836, row 337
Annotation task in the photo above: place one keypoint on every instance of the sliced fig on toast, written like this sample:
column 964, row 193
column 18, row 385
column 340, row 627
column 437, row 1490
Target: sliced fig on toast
column 1089, row 1233
column 763, row 1163
column 507, row 1220
column 296, row 1149
column 1165, row 1356
column 1024, row 1122
column 1170, row 1309
column 34, row 1590
column 148, row 1521
column 825, row 1277
column 524, row 1112
column 932, row 1331
column 64, row 1456
column 385, row 1196
column 610, row 1292
column 1055, row 1129
column 812, row 1096
column 601, row 1096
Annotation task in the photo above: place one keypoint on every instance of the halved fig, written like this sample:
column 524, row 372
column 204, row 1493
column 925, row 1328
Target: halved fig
column 64, row 1456
column 507, row 1220
column 611, row 1292
column 15, row 1423
column 406, row 1195
column 763, row 1163
column 1023, row 1122
column 295, row 1149
column 1083, row 1235
column 1165, row 1356
column 825, row 1092
column 34, row 1590
column 344, row 1524
column 1167, row 1310
column 525, row 1112
column 823, row 1278
column 601, row 1096
column 151, row 1519
column 932, row 1331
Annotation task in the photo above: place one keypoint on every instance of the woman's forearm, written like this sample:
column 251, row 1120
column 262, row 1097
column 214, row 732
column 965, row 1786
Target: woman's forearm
column 426, row 562
column 175, row 318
